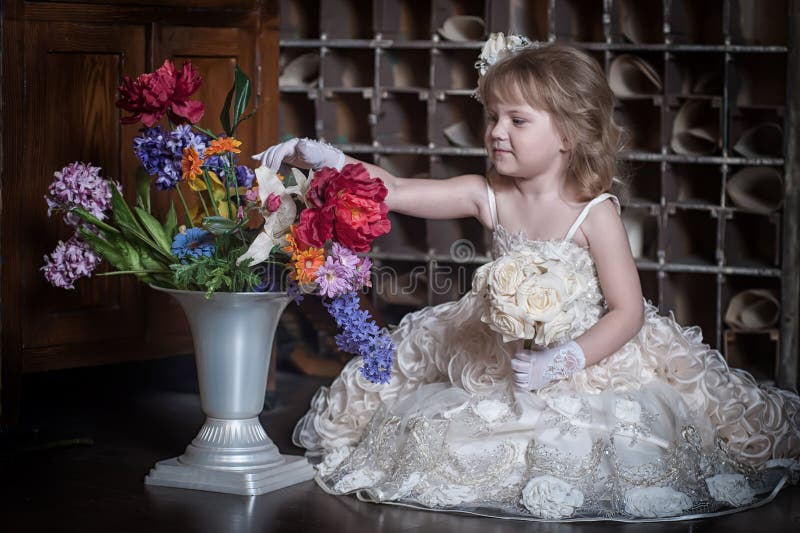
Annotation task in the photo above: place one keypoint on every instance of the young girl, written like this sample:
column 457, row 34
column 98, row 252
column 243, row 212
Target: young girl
column 633, row 417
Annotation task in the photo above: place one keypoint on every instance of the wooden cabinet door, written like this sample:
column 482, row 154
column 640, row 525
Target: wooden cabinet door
column 72, row 71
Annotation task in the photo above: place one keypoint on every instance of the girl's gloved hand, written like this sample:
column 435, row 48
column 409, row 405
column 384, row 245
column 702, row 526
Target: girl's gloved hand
column 535, row 369
column 306, row 153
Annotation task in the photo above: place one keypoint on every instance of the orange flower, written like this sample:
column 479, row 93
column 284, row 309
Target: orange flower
column 291, row 248
column 223, row 144
column 190, row 164
column 306, row 264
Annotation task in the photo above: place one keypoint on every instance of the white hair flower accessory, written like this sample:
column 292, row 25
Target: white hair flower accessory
column 498, row 46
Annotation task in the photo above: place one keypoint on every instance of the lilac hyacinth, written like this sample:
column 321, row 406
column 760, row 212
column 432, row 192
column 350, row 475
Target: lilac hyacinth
column 69, row 262
column 79, row 185
column 361, row 336
column 160, row 153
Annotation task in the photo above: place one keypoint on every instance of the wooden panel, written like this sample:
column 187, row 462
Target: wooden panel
column 209, row 4
column 72, row 74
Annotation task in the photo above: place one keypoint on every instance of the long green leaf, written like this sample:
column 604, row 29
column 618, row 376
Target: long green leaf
column 242, row 85
column 143, row 189
column 122, row 213
column 153, row 227
column 171, row 222
column 93, row 220
column 135, row 235
column 108, row 251
column 225, row 114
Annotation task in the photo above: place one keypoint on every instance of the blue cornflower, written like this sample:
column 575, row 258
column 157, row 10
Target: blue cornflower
column 194, row 243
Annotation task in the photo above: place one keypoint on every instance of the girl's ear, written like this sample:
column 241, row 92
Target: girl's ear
column 566, row 146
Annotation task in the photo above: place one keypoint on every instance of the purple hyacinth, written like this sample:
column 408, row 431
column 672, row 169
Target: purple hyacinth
column 244, row 176
column 361, row 336
column 79, row 185
column 161, row 153
column 69, row 262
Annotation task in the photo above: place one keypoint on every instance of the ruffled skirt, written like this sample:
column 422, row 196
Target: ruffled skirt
column 660, row 430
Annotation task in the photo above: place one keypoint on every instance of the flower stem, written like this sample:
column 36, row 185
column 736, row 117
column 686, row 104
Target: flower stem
column 185, row 207
column 202, row 201
column 210, row 194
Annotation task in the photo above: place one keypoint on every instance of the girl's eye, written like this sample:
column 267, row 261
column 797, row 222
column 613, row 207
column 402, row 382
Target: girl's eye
column 492, row 118
column 518, row 121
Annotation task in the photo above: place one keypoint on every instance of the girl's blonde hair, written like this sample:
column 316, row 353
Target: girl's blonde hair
column 571, row 87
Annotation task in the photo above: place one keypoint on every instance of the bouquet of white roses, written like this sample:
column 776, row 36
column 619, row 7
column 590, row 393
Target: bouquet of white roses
column 530, row 297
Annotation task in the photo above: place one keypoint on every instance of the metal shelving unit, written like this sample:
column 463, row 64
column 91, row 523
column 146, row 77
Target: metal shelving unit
column 386, row 92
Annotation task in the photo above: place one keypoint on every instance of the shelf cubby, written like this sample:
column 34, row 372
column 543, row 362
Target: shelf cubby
column 693, row 299
column 346, row 19
column 751, row 240
column 692, row 22
column 691, row 237
column 579, row 20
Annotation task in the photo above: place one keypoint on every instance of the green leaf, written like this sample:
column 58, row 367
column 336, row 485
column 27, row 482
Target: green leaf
column 219, row 225
column 93, row 220
column 143, row 189
column 122, row 213
column 225, row 114
column 242, row 85
column 153, row 227
column 171, row 222
column 107, row 250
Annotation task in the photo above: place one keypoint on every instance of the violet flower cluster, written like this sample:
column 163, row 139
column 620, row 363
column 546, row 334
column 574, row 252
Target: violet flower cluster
column 343, row 272
column 79, row 185
column 361, row 336
column 76, row 185
column 69, row 262
column 160, row 153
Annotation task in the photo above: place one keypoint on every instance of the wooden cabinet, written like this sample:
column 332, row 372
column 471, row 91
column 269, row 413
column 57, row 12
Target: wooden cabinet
column 62, row 63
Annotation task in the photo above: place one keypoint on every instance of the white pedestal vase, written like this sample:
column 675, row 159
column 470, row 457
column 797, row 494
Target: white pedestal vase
column 232, row 334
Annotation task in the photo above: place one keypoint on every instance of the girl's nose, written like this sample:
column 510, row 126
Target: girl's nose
column 497, row 132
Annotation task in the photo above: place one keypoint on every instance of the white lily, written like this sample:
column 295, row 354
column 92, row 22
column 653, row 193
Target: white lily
column 277, row 223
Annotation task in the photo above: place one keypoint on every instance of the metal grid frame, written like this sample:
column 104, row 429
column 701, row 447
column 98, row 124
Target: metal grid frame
column 660, row 271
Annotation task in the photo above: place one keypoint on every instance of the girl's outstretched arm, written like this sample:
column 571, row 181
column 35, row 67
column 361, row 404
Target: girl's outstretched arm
column 457, row 197
column 619, row 282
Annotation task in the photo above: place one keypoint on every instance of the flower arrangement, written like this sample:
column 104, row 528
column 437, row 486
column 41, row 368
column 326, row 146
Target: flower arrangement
column 242, row 230
column 532, row 297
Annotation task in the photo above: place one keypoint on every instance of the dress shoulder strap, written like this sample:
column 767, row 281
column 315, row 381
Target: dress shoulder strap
column 585, row 212
column 492, row 204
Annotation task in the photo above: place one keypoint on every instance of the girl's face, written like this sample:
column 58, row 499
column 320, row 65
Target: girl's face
column 521, row 141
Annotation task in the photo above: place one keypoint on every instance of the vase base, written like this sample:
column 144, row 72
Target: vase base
column 172, row 473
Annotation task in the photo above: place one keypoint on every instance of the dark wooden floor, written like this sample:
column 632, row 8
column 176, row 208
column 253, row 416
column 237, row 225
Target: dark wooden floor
column 127, row 417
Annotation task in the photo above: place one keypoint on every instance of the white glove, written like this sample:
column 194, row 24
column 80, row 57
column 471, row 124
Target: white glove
column 305, row 153
column 535, row 369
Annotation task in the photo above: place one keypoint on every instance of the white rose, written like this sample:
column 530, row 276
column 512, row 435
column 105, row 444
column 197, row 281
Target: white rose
column 551, row 498
column 541, row 297
column 652, row 502
column 480, row 278
column 627, row 411
column 730, row 488
column 333, row 460
column 574, row 283
column 510, row 327
column 558, row 330
column 359, row 479
column 491, row 410
column 505, row 276
column 440, row 496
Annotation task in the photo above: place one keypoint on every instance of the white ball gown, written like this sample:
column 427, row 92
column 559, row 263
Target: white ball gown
column 662, row 429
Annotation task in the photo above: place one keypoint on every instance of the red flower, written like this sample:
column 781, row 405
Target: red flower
column 348, row 207
column 152, row 94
